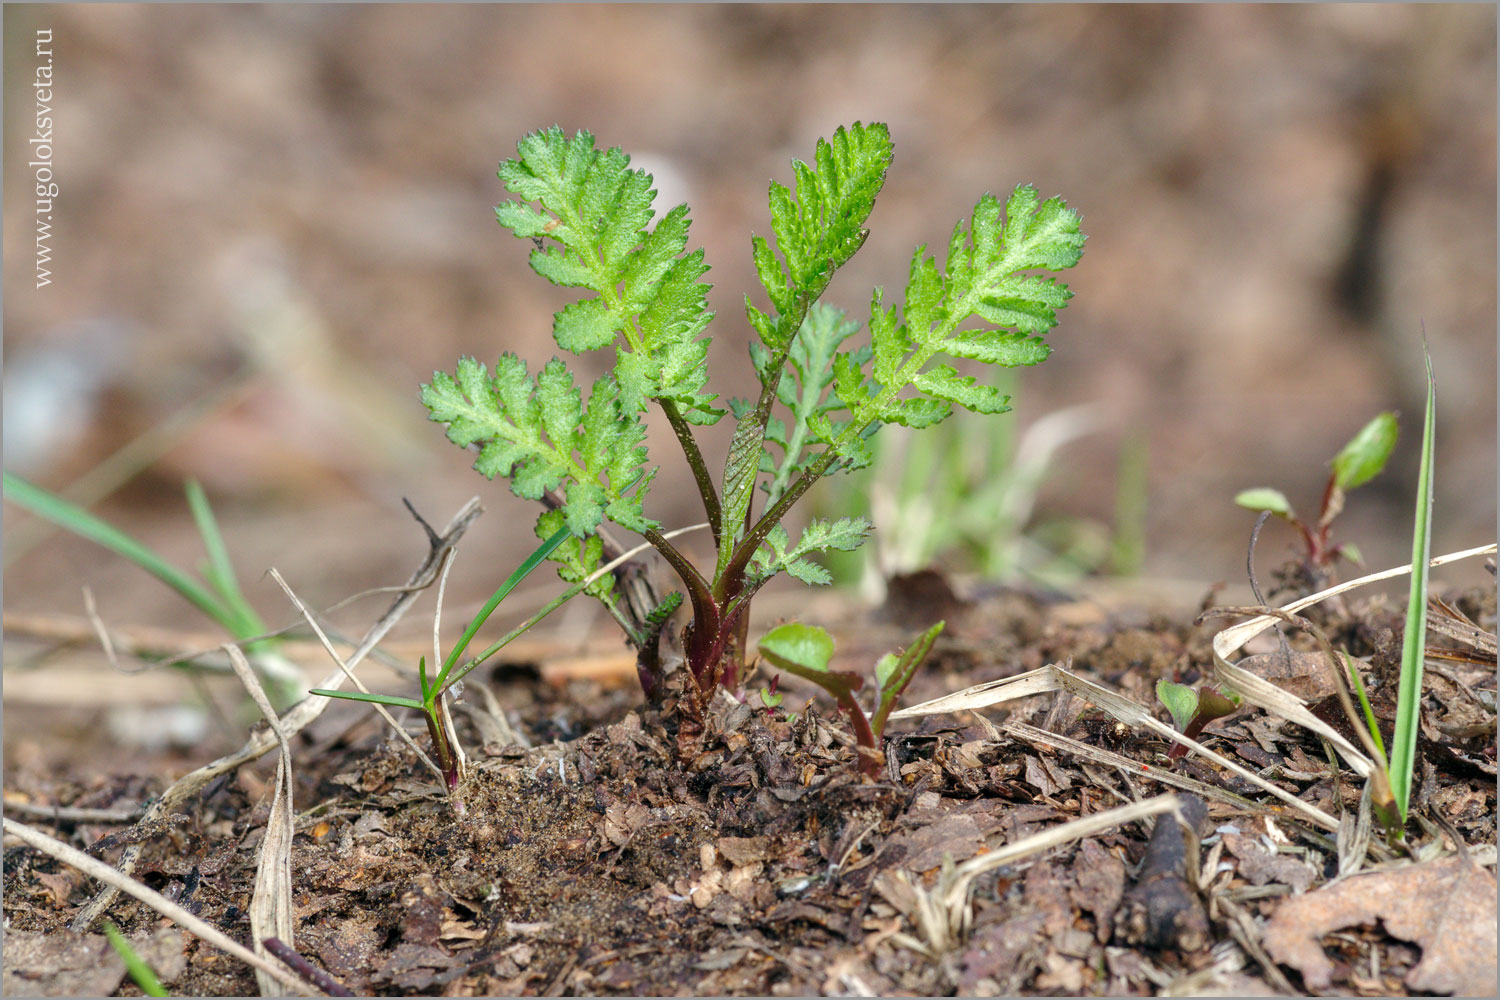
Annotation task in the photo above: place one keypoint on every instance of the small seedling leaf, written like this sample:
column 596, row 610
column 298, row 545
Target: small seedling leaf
column 894, row 673
column 220, row 569
column 1265, row 498
column 1213, row 704
column 1356, row 682
column 804, row 651
column 798, row 647
column 1366, row 454
column 140, row 970
column 1180, row 700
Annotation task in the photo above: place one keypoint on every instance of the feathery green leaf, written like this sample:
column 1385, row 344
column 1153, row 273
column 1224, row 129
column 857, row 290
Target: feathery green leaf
column 539, row 434
column 646, row 284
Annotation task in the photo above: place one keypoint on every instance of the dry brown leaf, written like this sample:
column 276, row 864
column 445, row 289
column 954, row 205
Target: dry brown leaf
column 1298, row 672
column 923, row 849
column 1098, row 885
column 1260, row 865
column 1446, row 906
column 622, row 819
column 745, row 850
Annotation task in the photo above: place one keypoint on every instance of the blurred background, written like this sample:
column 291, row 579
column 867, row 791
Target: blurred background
column 275, row 222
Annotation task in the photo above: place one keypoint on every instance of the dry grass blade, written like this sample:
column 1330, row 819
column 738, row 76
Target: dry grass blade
column 106, row 641
column 1364, row 764
column 1446, row 620
column 1053, row 678
column 76, row 814
column 1066, row 833
column 98, row 869
column 1041, row 738
column 491, row 720
column 271, row 902
column 347, row 670
column 1353, row 840
column 1263, row 694
column 1247, row 935
column 297, row 717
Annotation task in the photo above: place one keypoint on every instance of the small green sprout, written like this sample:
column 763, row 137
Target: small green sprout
column 140, row 970
column 805, row 650
column 1361, row 460
column 1192, row 710
column 434, row 689
column 588, row 219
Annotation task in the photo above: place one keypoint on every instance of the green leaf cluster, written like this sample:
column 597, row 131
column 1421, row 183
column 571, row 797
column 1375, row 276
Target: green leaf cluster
column 578, row 559
column 819, row 227
column 806, row 651
column 822, row 393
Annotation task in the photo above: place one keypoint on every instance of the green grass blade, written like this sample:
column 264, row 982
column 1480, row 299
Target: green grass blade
column 220, row 572
column 137, row 966
column 520, row 629
column 1414, row 644
column 85, row 525
column 378, row 699
column 532, row 562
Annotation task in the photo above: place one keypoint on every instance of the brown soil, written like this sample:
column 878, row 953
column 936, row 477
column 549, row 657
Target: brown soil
column 595, row 862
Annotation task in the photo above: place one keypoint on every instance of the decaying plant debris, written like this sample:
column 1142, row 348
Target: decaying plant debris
column 594, row 862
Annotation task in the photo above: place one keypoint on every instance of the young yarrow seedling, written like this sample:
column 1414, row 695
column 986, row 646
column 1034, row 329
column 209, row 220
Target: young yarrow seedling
column 806, row 650
column 589, row 217
column 1192, row 710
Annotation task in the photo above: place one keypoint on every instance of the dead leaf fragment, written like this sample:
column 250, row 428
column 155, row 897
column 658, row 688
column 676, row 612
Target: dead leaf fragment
column 64, row 964
column 622, row 820
column 1099, row 885
column 957, row 837
column 745, row 850
column 1261, row 865
column 60, row 965
column 1302, row 673
column 1447, row 907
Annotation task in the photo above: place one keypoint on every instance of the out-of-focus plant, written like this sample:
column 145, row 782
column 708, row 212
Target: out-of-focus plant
column 1359, row 461
column 217, row 594
column 966, row 492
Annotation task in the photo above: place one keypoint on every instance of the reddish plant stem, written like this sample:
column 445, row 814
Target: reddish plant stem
column 869, row 746
column 695, row 461
column 447, row 760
